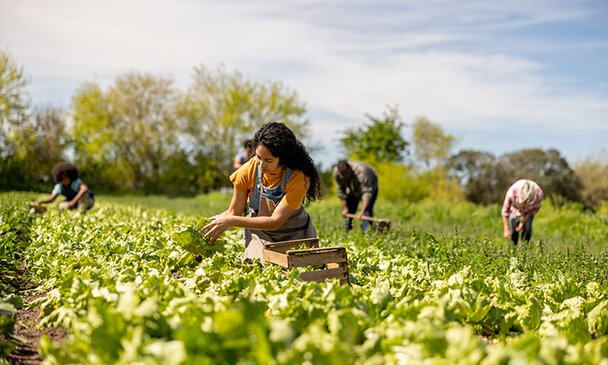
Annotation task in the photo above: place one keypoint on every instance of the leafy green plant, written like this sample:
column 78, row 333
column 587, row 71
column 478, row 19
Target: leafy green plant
column 121, row 280
column 193, row 240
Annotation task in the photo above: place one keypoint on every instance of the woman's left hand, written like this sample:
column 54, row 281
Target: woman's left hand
column 218, row 225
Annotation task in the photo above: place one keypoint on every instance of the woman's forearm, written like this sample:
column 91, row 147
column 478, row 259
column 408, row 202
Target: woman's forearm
column 263, row 223
column 258, row 223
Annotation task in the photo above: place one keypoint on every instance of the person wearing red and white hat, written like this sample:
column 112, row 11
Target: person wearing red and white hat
column 522, row 203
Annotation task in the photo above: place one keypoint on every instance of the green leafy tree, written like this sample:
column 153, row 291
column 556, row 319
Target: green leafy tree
column 37, row 145
column 49, row 125
column 13, row 113
column 432, row 145
column 480, row 175
column 41, row 141
column 95, row 136
column 381, row 141
column 13, row 102
column 128, row 132
column 593, row 173
column 485, row 179
column 142, row 135
column 221, row 109
column 548, row 168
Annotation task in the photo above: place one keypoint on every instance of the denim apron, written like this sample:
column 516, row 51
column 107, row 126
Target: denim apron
column 262, row 203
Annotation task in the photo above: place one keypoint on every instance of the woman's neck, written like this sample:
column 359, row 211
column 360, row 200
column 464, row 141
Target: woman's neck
column 278, row 171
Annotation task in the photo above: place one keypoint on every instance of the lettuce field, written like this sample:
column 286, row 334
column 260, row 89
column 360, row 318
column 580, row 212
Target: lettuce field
column 441, row 287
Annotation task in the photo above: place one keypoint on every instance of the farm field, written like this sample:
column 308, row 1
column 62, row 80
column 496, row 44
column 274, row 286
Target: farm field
column 441, row 287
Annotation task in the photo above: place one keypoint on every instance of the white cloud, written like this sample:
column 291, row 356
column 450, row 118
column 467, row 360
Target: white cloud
column 440, row 59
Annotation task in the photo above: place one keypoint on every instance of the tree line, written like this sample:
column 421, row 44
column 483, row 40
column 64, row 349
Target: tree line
column 425, row 166
column 140, row 134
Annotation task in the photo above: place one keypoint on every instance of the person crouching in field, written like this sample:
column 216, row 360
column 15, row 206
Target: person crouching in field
column 276, row 181
column 77, row 194
column 245, row 155
column 356, row 182
column 521, row 204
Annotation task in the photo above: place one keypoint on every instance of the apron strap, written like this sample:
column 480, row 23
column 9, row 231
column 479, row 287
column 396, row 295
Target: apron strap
column 286, row 177
column 258, row 190
column 256, row 194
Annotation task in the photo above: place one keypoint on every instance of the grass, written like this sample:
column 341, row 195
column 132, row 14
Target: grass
column 457, row 234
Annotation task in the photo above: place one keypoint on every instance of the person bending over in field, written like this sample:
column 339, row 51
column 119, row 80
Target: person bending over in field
column 276, row 181
column 521, row 204
column 245, row 155
column 356, row 182
column 77, row 194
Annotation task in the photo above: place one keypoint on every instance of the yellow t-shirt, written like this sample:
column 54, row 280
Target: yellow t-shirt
column 295, row 190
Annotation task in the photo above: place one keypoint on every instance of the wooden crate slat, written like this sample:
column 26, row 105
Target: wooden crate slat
column 334, row 258
column 285, row 246
column 340, row 273
column 315, row 250
column 275, row 257
column 316, row 257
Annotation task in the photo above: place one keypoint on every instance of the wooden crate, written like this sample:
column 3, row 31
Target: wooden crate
column 36, row 208
column 331, row 262
column 380, row 224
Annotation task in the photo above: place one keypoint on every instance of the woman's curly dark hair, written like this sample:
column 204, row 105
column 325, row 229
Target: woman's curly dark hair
column 64, row 169
column 282, row 143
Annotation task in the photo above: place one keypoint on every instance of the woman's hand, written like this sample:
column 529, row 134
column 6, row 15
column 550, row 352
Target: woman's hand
column 218, row 225
column 506, row 233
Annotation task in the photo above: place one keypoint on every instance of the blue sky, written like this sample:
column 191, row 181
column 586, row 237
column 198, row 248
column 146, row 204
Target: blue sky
column 500, row 76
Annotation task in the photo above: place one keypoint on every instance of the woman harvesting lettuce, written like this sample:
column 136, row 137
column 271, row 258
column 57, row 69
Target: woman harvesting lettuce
column 276, row 182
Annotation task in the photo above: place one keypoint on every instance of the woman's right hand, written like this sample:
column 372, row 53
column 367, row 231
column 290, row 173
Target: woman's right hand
column 218, row 225
column 506, row 233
